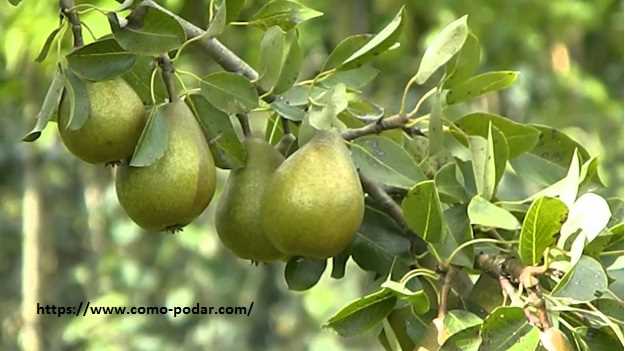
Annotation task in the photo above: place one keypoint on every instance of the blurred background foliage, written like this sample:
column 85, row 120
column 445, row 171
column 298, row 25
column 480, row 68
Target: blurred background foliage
column 569, row 53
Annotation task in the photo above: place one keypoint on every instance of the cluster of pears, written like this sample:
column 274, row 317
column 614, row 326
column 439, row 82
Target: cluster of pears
column 173, row 190
column 309, row 205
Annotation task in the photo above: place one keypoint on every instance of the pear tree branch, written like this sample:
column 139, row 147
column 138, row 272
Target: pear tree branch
column 229, row 61
column 67, row 9
column 168, row 71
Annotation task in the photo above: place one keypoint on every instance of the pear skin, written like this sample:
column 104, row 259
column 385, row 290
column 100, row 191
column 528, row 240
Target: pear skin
column 314, row 203
column 175, row 189
column 116, row 119
column 238, row 214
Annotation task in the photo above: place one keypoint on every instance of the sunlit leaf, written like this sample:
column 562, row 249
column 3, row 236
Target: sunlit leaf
column 464, row 63
column 284, row 13
column 423, row 212
column 153, row 141
column 444, row 46
column 507, row 328
column 48, row 107
column 100, row 60
column 229, row 92
column 480, row 85
column 483, row 212
column 542, row 222
column 583, row 282
column 362, row 314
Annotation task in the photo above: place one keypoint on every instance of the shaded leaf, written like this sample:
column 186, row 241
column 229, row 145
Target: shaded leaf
column 583, row 282
column 139, row 79
column 542, row 221
column 79, row 101
column 450, row 184
column 456, row 321
column 480, row 85
column 218, row 24
column 378, row 44
column 229, row 92
column 520, row 137
column 303, row 273
column 443, row 47
column 153, row 141
column 227, row 149
column 283, row 13
column 233, row 9
column 466, row 340
column 291, row 64
column 362, row 314
column 507, row 328
column 345, row 49
column 356, row 78
column 324, row 117
column 101, row 60
column 484, row 169
column 385, row 161
column 149, row 31
column 458, row 230
column 378, row 242
column 557, row 147
column 287, row 111
column 435, row 125
column 423, row 213
column 48, row 107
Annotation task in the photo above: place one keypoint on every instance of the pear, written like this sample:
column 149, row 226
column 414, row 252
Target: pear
column 176, row 188
column 238, row 217
column 314, row 203
column 116, row 119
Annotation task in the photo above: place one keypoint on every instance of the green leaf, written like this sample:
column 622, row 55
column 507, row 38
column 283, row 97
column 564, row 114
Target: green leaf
column 456, row 321
column 49, row 105
column 287, row 111
column 465, row 62
column 46, row 45
column 356, row 78
column 227, row 149
column 444, row 46
column 466, row 340
column 303, row 273
column 324, row 117
column 362, row 314
column 284, row 13
column 79, row 101
column 483, row 212
column 139, row 79
column 435, row 125
column 380, row 43
column 218, row 24
column 542, row 221
column 100, row 60
column 233, row 9
column 229, row 92
column 345, row 49
column 589, row 175
column 507, row 328
column 149, row 31
column 415, row 295
column 557, row 147
column 378, row 242
column 597, row 339
column 458, row 230
column 385, row 161
column 361, row 108
column 281, row 59
column 583, row 282
column 480, row 85
column 338, row 264
column 15, row 2
column 153, row 141
column 292, row 62
column 484, row 166
column 521, row 138
column 449, row 182
column 423, row 212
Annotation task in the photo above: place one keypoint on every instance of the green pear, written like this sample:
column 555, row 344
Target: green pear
column 116, row 119
column 175, row 189
column 314, row 203
column 238, row 216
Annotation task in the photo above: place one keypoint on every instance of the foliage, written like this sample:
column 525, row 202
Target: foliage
column 455, row 223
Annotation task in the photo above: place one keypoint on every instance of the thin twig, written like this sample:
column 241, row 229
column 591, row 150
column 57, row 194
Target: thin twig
column 392, row 122
column 68, row 10
column 168, row 71
column 245, row 124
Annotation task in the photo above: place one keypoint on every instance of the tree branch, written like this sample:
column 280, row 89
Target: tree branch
column 67, row 9
column 168, row 71
column 382, row 124
column 379, row 195
column 213, row 47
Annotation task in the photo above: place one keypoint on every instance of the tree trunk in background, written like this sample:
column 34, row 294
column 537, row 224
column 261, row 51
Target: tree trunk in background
column 95, row 181
column 31, row 254
column 260, row 334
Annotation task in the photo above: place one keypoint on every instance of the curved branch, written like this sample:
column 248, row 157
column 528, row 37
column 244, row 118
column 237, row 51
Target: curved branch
column 67, row 9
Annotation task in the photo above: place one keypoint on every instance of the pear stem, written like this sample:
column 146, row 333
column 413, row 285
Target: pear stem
column 285, row 143
column 168, row 71
column 68, row 10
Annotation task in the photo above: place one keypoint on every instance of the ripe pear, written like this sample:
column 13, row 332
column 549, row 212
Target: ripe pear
column 238, row 216
column 116, row 119
column 553, row 339
column 314, row 203
column 176, row 188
